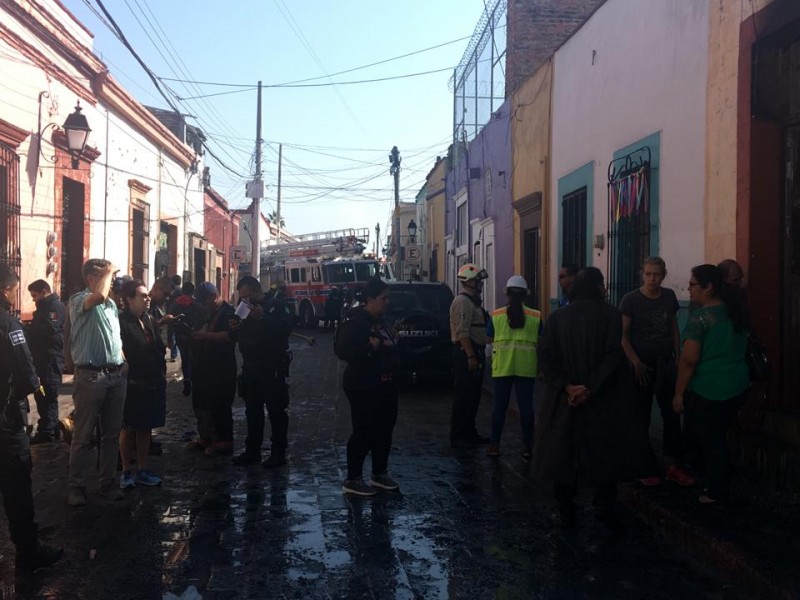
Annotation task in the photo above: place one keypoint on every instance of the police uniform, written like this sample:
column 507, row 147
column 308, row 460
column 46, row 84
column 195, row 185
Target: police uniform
column 17, row 380
column 46, row 339
column 264, row 345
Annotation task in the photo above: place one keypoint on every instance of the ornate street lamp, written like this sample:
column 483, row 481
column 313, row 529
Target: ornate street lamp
column 412, row 231
column 76, row 128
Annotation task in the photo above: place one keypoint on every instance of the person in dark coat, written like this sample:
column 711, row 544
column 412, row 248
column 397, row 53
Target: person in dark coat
column 185, row 311
column 369, row 347
column 263, row 336
column 588, row 427
column 146, row 395
column 46, row 339
column 213, row 372
column 17, row 380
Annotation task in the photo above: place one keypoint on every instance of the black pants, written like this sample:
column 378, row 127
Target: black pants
column 467, row 399
column 662, row 386
column 15, row 487
column 212, row 401
column 47, row 407
column 185, row 348
column 604, row 496
column 710, row 420
column 373, row 415
column 265, row 385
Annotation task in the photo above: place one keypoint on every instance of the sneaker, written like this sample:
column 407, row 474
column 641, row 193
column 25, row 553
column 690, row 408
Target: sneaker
column 198, row 444
column 76, row 496
column 246, row 458
column 357, row 487
column 384, row 482
column 526, row 454
column 111, row 492
column 42, row 438
column 147, row 478
column 677, row 475
column 654, row 481
column 127, row 480
column 493, row 450
column 274, row 460
column 38, row 558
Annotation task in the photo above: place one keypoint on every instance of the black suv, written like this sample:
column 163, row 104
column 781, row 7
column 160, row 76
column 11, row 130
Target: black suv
column 420, row 312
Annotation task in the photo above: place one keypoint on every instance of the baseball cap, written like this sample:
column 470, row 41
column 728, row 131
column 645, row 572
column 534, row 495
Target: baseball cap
column 204, row 291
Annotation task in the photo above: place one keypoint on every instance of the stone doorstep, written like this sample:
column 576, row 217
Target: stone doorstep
column 706, row 546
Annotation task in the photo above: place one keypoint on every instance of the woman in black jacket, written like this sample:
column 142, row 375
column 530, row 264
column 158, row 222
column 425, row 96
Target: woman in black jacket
column 369, row 346
column 145, row 402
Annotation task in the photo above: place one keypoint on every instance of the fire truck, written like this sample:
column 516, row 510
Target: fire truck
column 313, row 264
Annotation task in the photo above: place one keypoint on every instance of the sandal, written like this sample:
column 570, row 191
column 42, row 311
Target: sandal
column 707, row 500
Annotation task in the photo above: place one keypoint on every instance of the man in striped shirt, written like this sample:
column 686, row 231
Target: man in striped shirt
column 100, row 381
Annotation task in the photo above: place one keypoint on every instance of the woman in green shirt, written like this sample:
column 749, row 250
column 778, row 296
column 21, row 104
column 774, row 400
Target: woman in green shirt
column 712, row 372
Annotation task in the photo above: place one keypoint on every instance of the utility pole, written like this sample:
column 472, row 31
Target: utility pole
column 394, row 170
column 377, row 240
column 255, row 225
column 280, row 163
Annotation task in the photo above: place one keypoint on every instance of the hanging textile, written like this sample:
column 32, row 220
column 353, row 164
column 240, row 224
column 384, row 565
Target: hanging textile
column 630, row 195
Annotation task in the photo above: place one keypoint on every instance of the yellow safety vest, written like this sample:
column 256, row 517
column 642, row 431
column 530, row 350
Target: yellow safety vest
column 514, row 350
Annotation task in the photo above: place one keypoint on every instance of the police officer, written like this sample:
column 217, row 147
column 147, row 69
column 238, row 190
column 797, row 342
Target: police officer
column 17, row 380
column 264, row 343
column 468, row 322
column 46, row 339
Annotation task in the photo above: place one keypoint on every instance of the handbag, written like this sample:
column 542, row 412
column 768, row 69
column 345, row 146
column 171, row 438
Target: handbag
column 758, row 363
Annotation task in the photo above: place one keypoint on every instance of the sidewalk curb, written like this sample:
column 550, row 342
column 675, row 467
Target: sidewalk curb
column 702, row 544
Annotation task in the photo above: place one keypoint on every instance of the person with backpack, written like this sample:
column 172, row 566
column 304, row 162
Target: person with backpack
column 369, row 346
column 513, row 332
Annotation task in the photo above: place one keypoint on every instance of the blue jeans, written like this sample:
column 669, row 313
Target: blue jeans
column 502, row 396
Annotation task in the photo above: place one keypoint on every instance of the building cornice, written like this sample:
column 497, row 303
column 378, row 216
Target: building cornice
column 11, row 135
column 138, row 186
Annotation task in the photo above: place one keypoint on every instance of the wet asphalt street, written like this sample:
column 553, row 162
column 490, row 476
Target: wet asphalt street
column 463, row 526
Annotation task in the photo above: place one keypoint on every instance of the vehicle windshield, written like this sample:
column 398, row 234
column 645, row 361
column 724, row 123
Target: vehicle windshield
column 433, row 299
column 348, row 272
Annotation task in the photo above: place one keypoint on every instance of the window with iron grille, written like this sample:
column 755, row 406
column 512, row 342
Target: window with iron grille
column 461, row 224
column 629, row 230
column 9, row 208
column 573, row 228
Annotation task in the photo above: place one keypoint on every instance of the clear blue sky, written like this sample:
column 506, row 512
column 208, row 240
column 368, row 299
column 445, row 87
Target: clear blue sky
column 336, row 138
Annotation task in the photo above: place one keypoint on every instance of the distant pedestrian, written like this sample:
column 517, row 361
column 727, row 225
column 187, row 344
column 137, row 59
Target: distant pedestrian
column 185, row 311
column 177, row 283
column 651, row 341
column 566, row 279
column 263, row 337
column 513, row 332
column 100, row 381
column 468, row 322
column 732, row 273
column 46, row 339
column 588, row 428
column 159, row 302
column 213, row 372
column 369, row 346
column 145, row 401
column 331, row 306
column 17, row 380
column 712, row 373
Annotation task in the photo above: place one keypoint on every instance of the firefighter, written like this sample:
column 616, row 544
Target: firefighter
column 17, row 380
column 264, row 344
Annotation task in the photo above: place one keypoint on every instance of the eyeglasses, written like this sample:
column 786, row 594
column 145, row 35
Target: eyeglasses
column 145, row 296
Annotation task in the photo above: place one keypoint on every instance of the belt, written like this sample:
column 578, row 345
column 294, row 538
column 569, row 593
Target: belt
column 102, row 368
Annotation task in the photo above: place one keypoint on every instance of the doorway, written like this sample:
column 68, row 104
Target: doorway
column 199, row 265
column 73, row 202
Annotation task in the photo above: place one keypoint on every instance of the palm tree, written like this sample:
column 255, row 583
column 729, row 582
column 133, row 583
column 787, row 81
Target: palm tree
column 273, row 218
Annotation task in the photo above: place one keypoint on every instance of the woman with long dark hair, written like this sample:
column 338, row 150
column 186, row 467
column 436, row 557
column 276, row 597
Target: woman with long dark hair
column 513, row 332
column 588, row 429
column 145, row 400
column 712, row 372
column 369, row 347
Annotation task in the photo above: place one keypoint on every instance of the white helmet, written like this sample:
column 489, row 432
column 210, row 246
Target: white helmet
column 518, row 282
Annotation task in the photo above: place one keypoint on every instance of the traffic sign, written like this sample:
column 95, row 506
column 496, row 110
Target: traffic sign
column 412, row 253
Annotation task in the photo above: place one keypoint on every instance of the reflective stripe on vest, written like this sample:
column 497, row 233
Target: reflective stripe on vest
column 514, row 350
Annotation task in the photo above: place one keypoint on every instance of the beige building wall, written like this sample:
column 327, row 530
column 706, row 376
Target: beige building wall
column 530, row 152
column 435, row 206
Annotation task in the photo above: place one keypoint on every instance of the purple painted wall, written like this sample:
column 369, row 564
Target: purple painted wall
column 490, row 150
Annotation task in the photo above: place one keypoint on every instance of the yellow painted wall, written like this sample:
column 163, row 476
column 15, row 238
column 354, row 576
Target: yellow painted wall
column 726, row 17
column 435, row 213
column 530, row 152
